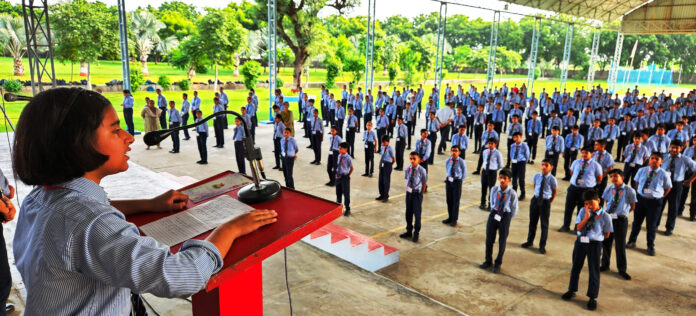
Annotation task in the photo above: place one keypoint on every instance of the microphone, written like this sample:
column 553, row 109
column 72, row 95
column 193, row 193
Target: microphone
column 12, row 97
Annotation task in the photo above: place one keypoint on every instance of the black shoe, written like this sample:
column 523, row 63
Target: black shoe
column 521, row 197
column 542, row 251
column 527, row 245
column 531, row 162
column 651, row 251
column 668, row 233
column 173, row 151
column 187, row 138
column 453, row 223
column 276, row 167
column 566, row 179
column 625, row 276
column 9, row 309
column 446, row 221
column 603, row 268
column 592, row 304
column 385, row 200
column 482, row 206
column 364, row 174
column 399, row 169
column 476, row 172
column 379, row 198
column 415, row 238
column 563, row 229
column 631, row 244
column 496, row 268
column 308, row 147
column 370, row 175
column 440, row 153
column 408, row 148
column 330, row 184
column 406, row 235
column 568, row 295
column 346, row 212
column 201, row 162
column 485, row 265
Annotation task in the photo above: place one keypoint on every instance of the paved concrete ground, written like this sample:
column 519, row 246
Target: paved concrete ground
column 439, row 275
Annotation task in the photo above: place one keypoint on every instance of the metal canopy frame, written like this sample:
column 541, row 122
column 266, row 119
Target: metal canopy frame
column 39, row 53
column 123, row 41
column 272, row 53
column 490, row 75
column 370, row 45
column 565, row 63
column 441, row 27
column 593, row 58
column 531, row 70
column 616, row 62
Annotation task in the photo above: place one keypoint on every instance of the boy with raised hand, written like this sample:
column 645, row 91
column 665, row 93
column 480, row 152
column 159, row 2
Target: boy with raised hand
column 455, row 170
column 416, row 183
column 289, row 152
column 635, row 155
column 401, row 134
column 351, row 128
column 585, row 174
column 545, row 188
column 344, row 168
column 519, row 155
column 334, row 141
column 423, row 148
column 492, row 160
column 278, row 132
column 386, row 163
column 461, row 141
column 677, row 166
column 620, row 201
column 573, row 142
column 534, row 128
column 370, row 144
column 592, row 226
column 503, row 208
column 653, row 185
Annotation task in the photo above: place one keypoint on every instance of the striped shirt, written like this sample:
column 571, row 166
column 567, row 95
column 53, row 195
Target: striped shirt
column 79, row 256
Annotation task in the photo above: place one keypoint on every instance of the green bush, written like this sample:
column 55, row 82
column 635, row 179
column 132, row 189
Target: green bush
column 136, row 77
column 557, row 73
column 537, row 73
column 393, row 71
column 164, row 82
column 251, row 71
column 12, row 86
column 279, row 83
column 184, row 85
column 333, row 69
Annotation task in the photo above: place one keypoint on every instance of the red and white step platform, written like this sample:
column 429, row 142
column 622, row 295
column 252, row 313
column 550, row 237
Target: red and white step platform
column 353, row 247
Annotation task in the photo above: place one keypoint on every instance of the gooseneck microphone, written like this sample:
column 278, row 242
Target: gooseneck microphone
column 262, row 189
column 12, row 97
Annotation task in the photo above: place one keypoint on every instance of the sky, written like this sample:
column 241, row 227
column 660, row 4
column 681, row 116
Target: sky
column 385, row 8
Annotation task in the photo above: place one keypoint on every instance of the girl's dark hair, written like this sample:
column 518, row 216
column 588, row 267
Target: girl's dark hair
column 54, row 139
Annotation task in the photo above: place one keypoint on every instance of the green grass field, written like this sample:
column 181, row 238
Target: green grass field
column 108, row 70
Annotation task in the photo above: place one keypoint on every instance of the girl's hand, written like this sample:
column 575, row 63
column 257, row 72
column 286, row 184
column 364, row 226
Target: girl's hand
column 251, row 221
column 7, row 210
column 169, row 201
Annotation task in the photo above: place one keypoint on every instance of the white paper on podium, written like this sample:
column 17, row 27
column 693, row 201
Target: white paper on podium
column 190, row 223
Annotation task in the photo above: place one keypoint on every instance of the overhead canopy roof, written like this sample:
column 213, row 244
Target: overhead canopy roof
column 646, row 16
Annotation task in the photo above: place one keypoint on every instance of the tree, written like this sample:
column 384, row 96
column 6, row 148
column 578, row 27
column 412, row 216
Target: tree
column 190, row 57
column 188, row 11
column 7, row 8
column 220, row 37
column 296, row 25
column 333, row 68
column 165, row 46
column 14, row 42
column 84, row 31
column 145, row 35
column 390, row 52
column 251, row 71
column 461, row 56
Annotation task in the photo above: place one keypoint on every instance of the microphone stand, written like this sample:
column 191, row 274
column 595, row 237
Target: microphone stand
column 262, row 189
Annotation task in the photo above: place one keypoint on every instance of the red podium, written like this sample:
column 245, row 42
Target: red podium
column 237, row 288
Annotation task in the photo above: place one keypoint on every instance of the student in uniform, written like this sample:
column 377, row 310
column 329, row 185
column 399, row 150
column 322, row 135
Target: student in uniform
column 334, row 141
column 595, row 132
column 340, row 118
column 416, row 183
column 653, row 185
column 174, row 122
column 185, row 106
column 461, row 141
column 503, row 208
column 455, row 169
column 238, row 138
column 534, row 128
column 94, row 266
column 621, row 200
column 635, row 155
column 289, row 150
column 492, row 161
column 433, row 126
column 689, row 152
column 479, row 122
column 7, row 214
column 370, row 141
column 554, row 147
column 605, row 160
column 627, row 129
column 382, row 122
column 218, row 124
column 519, row 155
column 545, row 189
column 611, row 133
column 317, row 131
column 585, row 174
column 278, row 134
column 424, row 149
column 352, row 127
column 201, row 138
column 401, row 134
column 344, row 168
column 676, row 165
column 127, row 105
column 573, row 142
column 487, row 135
column 515, row 127
column 592, row 226
column 660, row 141
column 385, row 169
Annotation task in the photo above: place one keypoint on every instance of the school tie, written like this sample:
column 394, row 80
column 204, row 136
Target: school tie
column 672, row 165
column 488, row 162
column 236, row 131
column 338, row 166
column 615, row 202
column 582, row 169
column 411, row 176
column 541, row 186
column 651, row 175
column 453, row 163
column 501, row 203
column 286, row 148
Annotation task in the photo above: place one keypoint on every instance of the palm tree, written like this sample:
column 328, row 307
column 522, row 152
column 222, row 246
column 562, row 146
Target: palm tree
column 145, row 38
column 14, row 41
column 166, row 46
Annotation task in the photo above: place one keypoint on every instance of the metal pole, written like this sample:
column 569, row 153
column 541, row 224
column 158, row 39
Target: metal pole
column 442, row 24
column 493, row 48
column 36, row 27
column 531, row 70
column 272, row 52
column 664, row 69
column 123, row 38
column 652, row 68
column 593, row 58
column 369, row 45
column 616, row 62
column 566, row 56
column 626, row 71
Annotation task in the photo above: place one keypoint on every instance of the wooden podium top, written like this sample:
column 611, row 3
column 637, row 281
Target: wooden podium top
column 299, row 214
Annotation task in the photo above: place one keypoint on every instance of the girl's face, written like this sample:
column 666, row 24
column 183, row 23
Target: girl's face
column 112, row 141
